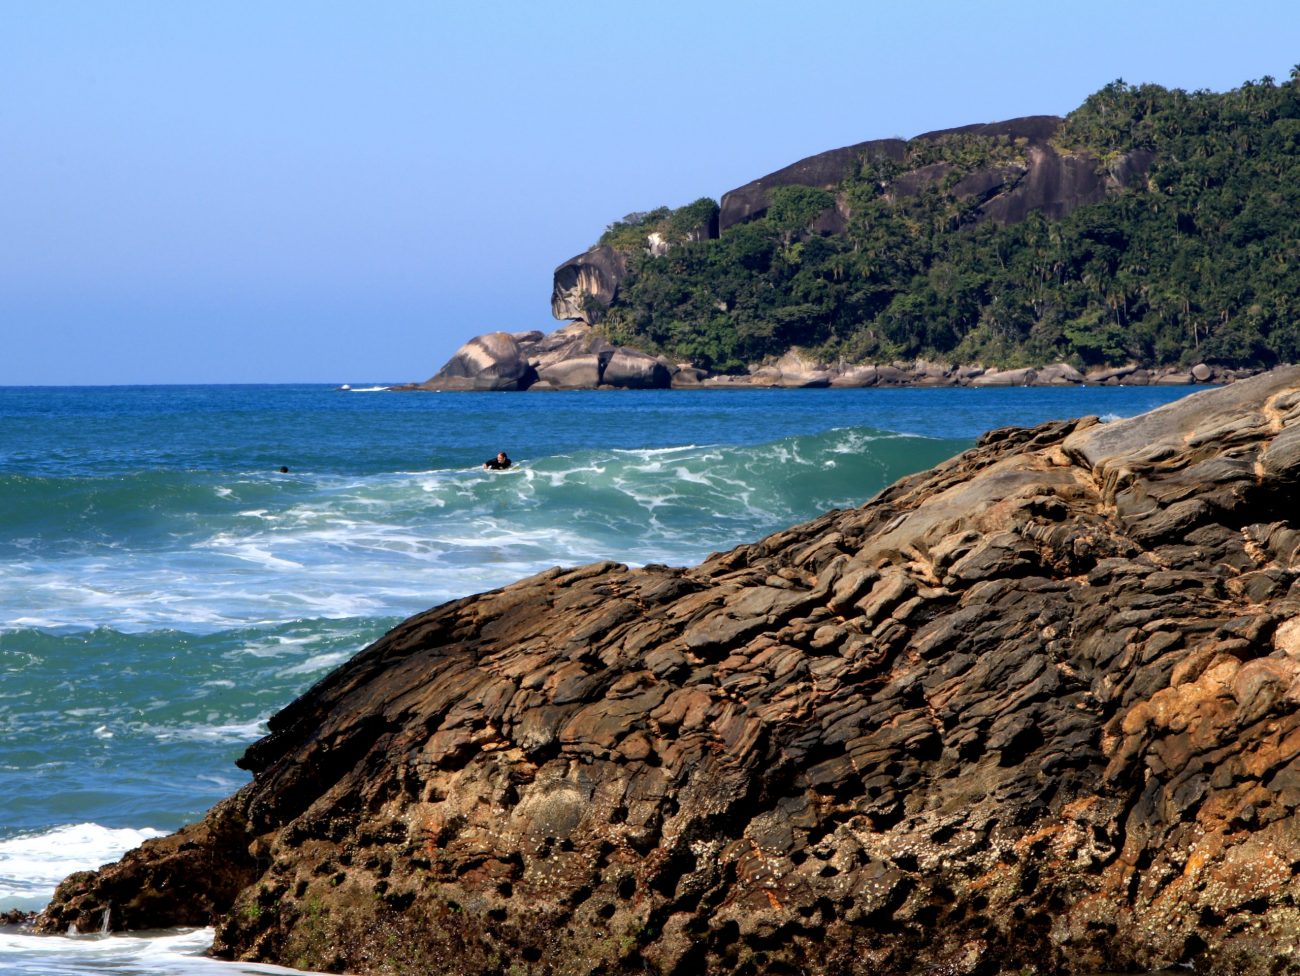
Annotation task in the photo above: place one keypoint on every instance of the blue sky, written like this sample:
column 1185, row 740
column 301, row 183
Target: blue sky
column 343, row 192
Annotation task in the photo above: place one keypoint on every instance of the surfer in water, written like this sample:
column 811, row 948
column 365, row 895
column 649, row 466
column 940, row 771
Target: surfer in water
column 498, row 463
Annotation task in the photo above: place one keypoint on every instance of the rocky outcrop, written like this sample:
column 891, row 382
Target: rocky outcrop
column 574, row 357
column 585, row 284
column 1035, row 710
column 797, row 369
column 825, row 170
column 632, row 370
column 1048, row 181
column 495, row 361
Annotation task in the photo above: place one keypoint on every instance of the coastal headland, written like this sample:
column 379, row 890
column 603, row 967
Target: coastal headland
column 1145, row 237
column 1036, row 709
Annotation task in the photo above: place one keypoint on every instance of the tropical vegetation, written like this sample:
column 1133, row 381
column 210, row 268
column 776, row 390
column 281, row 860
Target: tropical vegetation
column 1199, row 261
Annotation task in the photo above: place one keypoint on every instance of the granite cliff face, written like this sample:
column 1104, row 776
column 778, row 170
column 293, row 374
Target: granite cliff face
column 586, row 283
column 1047, row 181
column 1035, row 710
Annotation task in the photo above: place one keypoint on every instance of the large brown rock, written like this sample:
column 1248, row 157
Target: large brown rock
column 1037, row 709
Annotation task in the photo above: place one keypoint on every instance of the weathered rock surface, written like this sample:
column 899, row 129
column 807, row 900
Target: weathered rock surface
column 1048, row 181
column 576, row 357
column 591, row 277
column 797, row 369
column 1034, row 710
column 494, row 361
column 570, row 358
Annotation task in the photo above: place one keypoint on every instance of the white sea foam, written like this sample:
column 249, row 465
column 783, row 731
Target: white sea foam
column 177, row 952
column 396, row 543
column 320, row 662
column 656, row 451
column 233, row 732
column 31, row 865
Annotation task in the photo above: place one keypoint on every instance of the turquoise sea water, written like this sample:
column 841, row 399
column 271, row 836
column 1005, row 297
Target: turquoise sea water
column 164, row 588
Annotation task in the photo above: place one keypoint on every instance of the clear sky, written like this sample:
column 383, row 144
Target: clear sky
column 210, row 191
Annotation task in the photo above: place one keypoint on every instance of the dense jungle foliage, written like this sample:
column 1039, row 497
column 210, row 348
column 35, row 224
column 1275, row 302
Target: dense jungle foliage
column 1199, row 262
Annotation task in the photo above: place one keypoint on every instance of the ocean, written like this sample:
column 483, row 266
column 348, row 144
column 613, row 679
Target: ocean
column 165, row 587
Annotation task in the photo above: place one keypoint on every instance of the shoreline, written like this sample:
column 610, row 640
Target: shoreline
column 927, row 375
column 885, row 376
column 576, row 357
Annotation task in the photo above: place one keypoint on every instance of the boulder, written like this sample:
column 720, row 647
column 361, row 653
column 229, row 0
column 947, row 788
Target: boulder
column 806, row 381
column 889, row 375
column 569, row 342
column 929, row 374
column 1005, row 377
column 1099, row 377
column 1058, row 374
column 1033, row 710
column 580, row 372
column 1202, row 373
column 856, row 377
column 494, row 361
column 629, row 369
column 689, row 376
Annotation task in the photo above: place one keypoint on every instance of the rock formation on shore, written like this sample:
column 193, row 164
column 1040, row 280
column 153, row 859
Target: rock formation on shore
column 570, row 358
column 1034, row 710
column 575, row 357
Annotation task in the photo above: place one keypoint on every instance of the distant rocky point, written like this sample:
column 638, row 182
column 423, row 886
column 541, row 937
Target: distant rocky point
column 576, row 357
column 1036, row 710
column 1030, row 175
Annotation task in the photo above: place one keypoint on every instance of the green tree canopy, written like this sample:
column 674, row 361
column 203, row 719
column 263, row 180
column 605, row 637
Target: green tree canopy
column 1198, row 261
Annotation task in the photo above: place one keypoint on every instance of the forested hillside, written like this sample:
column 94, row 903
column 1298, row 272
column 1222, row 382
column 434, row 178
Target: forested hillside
column 1198, row 261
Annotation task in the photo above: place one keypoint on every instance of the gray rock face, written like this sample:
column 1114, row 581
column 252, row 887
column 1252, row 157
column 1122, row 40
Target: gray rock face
column 1034, row 710
column 632, row 370
column 581, row 372
column 586, row 283
column 494, row 361
column 824, row 170
column 1049, row 182
column 570, row 358
column 1054, row 184
column 1005, row 377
